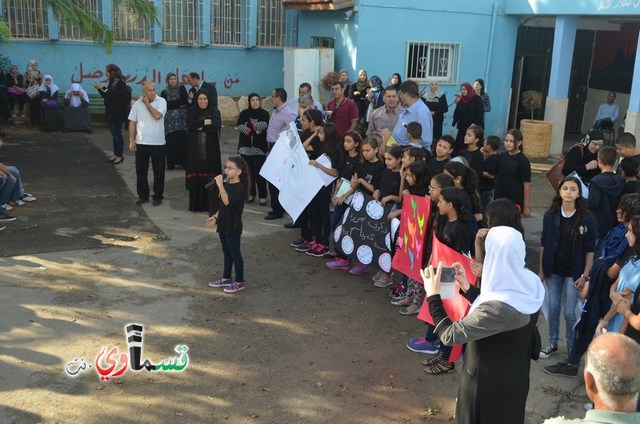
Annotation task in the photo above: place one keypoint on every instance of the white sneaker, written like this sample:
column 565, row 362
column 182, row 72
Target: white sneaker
column 7, row 207
column 378, row 275
column 385, row 281
column 28, row 198
column 19, row 202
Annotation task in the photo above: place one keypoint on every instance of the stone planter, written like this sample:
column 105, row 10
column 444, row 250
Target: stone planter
column 536, row 138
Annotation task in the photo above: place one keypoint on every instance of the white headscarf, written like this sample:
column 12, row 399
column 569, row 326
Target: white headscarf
column 76, row 101
column 54, row 87
column 504, row 277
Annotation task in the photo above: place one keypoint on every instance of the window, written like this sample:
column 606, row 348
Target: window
column 433, row 61
column 326, row 42
column 26, row 18
column 226, row 21
column 128, row 27
column 271, row 23
column 72, row 32
column 179, row 22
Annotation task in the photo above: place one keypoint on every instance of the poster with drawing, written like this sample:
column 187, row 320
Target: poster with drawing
column 412, row 235
column 287, row 167
column 363, row 233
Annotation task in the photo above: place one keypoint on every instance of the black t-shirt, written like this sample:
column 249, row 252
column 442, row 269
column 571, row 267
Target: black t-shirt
column 631, row 187
column 457, row 235
column 563, row 261
column 513, row 172
column 230, row 216
column 436, row 166
column 491, row 167
column 349, row 166
column 475, row 159
column 371, row 173
column 389, row 183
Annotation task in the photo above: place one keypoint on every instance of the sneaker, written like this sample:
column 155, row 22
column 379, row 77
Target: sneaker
column 399, row 295
column 306, row 246
column 28, row 198
column 19, row 202
column 392, row 292
column 223, row 282
column 562, row 368
column 548, row 351
column 2, row 228
column 384, row 281
column 7, row 207
column 234, row 287
column 339, row 263
column 5, row 217
column 359, row 269
column 319, row 251
column 298, row 242
column 421, row 345
column 378, row 275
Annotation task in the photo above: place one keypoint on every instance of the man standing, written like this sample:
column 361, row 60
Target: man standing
column 197, row 84
column 146, row 139
column 305, row 88
column 341, row 111
column 281, row 116
column 612, row 381
column 607, row 114
column 385, row 117
column 416, row 111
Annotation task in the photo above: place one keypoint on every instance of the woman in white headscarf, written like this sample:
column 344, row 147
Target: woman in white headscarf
column 500, row 328
column 77, row 116
column 49, row 104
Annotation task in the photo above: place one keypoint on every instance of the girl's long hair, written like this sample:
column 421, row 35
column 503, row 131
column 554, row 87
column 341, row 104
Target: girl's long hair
column 420, row 172
column 503, row 212
column 245, row 175
column 581, row 207
column 469, row 179
column 332, row 146
column 635, row 229
column 456, row 198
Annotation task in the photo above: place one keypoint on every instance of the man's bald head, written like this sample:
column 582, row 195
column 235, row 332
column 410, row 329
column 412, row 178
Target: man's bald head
column 149, row 90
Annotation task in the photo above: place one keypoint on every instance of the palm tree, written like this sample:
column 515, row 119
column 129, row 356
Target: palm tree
column 74, row 12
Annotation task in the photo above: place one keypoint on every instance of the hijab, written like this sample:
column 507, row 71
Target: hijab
column 173, row 92
column 254, row 113
column 196, row 106
column 32, row 73
column 431, row 96
column 361, row 86
column 504, row 276
column 76, row 101
column 397, row 86
column 43, row 87
column 471, row 93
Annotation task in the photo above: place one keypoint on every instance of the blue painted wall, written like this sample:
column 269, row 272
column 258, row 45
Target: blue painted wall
column 236, row 71
column 572, row 7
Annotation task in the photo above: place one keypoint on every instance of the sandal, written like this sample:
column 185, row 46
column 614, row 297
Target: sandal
column 405, row 301
column 441, row 367
column 429, row 362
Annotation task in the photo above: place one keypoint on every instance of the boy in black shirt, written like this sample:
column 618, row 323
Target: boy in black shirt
column 443, row 151
column 487, row 181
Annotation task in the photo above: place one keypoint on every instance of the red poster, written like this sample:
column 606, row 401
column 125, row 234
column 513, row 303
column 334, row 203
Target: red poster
column 411, row 235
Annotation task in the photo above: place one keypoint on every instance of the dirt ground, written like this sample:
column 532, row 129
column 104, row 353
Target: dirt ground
column 303, row 344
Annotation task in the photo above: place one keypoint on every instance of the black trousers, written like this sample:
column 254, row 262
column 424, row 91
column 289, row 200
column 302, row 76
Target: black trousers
column 156, row 154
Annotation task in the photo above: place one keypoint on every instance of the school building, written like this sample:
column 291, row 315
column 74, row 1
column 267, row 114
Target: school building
column 575, row 52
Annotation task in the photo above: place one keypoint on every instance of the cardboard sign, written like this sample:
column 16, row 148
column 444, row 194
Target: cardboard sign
column 412, row 235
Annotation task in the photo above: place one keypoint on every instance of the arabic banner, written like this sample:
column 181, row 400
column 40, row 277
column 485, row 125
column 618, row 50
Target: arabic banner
column 457, row 306
column 287, row 167
column 364, row 232
column 411, row 235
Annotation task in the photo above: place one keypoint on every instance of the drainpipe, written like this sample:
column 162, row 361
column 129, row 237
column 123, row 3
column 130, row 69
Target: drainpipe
column 490, row 47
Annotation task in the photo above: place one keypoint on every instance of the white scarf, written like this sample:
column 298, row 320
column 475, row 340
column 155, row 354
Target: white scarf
column 504, row 276
column 43, row 87
column 76, row 101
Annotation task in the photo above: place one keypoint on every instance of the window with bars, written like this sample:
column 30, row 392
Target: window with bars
column 72, row 32
column 226, row 21
column 129, row 27
column 26, row 18
column 428, row 61
column 179, row 21
column 325, row 42
column 271, row 23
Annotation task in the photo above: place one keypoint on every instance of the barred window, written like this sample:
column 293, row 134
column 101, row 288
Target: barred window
column 179, row 21
column 26, row 18
column 271, row 23
column 428, row 61
column 325, row 42
column 129, row 27
column 72, row 32
column 226, row 21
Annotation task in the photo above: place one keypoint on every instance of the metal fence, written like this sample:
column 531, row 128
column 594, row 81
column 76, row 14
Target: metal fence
column 226, row 21
column 429, row 61
column 72, row 32
column 26, row 18
column 129, row 27
column 179, row 21
column 271, row 23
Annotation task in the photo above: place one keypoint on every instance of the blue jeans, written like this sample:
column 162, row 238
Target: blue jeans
column 19, row 188
column 338, row 213
column 562, row 293
column 118, row 141
column 7, row 186
column 232, row 256
column 487, row 197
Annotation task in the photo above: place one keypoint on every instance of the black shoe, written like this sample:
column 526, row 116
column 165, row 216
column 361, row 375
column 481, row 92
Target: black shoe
column 141, row 201
column 5, row 217
column 157, row 202
column 271, row 216
column 562, row 368
column 292, row 225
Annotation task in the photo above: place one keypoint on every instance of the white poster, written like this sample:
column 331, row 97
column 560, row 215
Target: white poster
column 287, row 167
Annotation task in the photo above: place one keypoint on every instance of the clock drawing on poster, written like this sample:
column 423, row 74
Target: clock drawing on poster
column 375, row 209
column 347, row 245
column 337, row 233
column 365, row 254
column 385, row 262
column 358, row 201
column 345, row 216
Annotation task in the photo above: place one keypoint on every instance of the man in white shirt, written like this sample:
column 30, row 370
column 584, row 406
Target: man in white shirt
column 146, row 139
column 305, row 88
column 607, row 113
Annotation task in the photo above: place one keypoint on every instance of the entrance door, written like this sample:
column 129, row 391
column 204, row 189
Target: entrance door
column 578, row 86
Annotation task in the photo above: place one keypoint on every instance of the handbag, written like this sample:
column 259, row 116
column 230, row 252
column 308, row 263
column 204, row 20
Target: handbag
column 15, row 90
column 33, row 91
column 555, row 175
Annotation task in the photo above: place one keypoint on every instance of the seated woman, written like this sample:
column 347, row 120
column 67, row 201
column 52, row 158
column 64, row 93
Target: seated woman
column 16, row 90
column 49, row 105
column 77, row 116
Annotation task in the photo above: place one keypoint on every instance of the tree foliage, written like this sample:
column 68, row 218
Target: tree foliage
column 75, row 12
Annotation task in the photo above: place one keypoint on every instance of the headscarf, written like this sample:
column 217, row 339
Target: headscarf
column 471, row 93
column 348, row 81
column 592, row 135
column 43, row 87
column 14, row 67
column 397, row 86
column 504, row 276
column 196, row 107
column 32, row 73
column 254, row 113
column 76, row 101
column 361, row 86
column 377, row 92
column 430, row 96
column 173, row 92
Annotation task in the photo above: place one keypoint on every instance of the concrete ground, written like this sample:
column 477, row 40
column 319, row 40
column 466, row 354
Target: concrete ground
column 302, row 344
